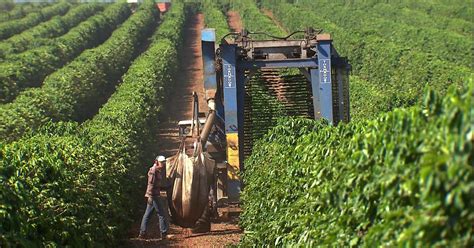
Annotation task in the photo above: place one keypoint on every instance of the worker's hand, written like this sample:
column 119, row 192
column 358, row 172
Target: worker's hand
column 150, row 201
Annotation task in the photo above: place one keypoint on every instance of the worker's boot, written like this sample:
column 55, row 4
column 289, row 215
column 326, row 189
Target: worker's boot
column 141, row 236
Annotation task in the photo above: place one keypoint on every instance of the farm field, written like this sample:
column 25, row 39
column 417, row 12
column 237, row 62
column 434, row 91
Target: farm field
column 90, row 93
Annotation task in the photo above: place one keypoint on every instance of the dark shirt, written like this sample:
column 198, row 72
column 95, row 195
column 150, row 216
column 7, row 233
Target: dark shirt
column 154, row 181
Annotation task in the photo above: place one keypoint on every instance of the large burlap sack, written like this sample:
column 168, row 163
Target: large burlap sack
column 191, row 178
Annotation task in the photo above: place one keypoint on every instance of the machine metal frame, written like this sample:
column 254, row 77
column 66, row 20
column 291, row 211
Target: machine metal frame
column 225, row 78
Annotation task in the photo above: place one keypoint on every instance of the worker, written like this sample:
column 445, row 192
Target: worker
column 154, row 200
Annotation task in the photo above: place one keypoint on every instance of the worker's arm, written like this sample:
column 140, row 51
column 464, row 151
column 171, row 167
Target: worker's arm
column 151, row 177
column 150, row 185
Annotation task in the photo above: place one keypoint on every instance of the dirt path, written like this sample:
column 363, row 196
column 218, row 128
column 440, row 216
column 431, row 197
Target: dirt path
column 233, row 20
column 190, row 78
column 224, row 232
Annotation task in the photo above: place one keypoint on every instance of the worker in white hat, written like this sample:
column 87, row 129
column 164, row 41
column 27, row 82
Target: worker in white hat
column 154, row 200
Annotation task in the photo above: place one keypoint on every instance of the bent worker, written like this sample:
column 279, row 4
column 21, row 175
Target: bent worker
column 154, row 200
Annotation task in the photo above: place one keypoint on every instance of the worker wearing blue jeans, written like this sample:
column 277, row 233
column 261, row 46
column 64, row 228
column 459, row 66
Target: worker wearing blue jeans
column 159, row 206
column 155, row 201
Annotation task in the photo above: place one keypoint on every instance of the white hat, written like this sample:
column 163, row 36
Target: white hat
column 161, row 158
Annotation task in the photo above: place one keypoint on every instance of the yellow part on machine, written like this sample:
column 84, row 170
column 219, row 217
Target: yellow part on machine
column 233, row 168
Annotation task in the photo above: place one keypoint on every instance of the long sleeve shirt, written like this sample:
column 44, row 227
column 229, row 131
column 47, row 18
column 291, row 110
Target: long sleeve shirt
column 154, row 181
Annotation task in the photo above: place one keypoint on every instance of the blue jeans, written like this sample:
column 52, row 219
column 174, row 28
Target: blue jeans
column 158, row 204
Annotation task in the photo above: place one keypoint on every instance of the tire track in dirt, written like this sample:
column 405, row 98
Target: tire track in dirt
column 179, row 107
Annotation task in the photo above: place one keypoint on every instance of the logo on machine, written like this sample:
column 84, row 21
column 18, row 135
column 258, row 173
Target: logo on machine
column 325, row 71
column 228, row 76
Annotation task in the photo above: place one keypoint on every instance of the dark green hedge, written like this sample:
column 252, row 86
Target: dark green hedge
column 29, row 69
column 456, row 10
column 397, row 71
column 76, row 91
column 215, row 18
column 43, row 32
column 443, row 45
column 252, row 19
column 10, row 28
column 398, row 13
column 73, row 185
column 403, row 179
column 11, row 11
